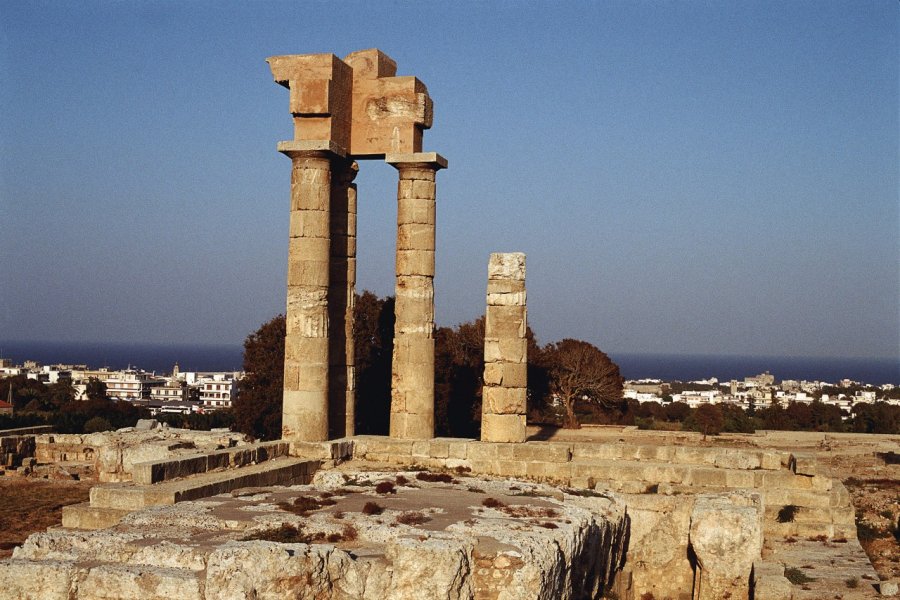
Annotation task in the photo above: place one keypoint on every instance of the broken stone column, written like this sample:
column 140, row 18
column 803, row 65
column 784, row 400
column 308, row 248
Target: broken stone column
column 341, row 300
column 305, row 401
column 412, row 370
column 505, row 351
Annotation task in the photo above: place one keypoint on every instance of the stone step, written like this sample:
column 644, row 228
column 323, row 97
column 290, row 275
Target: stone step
column 85, row 516
column 130, row 496
column 186, row 465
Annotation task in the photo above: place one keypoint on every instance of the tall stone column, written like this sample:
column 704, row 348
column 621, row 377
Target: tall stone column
column 306, row 346
column 412, row 370
column 505, row 390
column 341, row 300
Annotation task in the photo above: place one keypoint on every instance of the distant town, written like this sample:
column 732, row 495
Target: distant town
column 181, row 392
column 186, row 392
column 762, row 391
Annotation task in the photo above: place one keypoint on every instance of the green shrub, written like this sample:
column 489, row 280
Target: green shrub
column 796, row 576
column 96, row 424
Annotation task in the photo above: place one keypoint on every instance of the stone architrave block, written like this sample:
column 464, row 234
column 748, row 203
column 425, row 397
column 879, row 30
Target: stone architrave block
column 320, row 95
column 388, row 113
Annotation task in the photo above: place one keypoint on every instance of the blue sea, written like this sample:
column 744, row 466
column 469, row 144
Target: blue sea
column 161, row 358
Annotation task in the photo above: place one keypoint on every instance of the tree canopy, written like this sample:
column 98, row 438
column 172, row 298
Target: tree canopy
column 579, row 371
column 257, row 408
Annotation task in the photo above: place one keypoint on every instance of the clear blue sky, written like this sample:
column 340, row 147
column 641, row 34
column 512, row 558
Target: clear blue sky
column 687, row 177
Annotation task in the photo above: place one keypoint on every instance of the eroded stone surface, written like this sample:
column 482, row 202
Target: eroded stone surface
column 431, row 539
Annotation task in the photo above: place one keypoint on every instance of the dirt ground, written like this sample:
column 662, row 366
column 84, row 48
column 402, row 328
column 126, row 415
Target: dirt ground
column 31, row 505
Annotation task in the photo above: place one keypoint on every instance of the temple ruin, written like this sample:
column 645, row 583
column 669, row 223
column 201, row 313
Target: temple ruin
column 606, row 512
column 344, row 111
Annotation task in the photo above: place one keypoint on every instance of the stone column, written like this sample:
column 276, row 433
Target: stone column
column 505, row 351
column 412, row 370
column 305, row 400
column 341, row 300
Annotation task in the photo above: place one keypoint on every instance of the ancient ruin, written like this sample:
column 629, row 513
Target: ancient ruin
column 605, row 512
column 505, row 351
column 344, row 111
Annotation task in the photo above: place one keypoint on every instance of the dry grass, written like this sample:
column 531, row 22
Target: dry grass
column 28, row 506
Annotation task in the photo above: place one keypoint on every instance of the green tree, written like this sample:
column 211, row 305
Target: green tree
column 579, row 371
column 95, row 389
column 257, row 407
column 707, row 419
column 95, row 424
column 373, row 347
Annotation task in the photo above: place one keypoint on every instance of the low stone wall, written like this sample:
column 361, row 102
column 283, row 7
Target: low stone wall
column 113, row 454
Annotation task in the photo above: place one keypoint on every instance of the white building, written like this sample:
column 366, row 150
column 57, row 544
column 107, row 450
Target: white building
column 131, row 385
column 218, row 390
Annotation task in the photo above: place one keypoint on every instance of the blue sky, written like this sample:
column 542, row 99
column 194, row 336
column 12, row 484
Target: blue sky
column 685, row 177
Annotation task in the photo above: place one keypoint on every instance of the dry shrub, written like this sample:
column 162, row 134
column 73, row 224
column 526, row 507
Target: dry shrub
column 787, row 513
column 413, row 518
column 350, row 533
column 434, row 477
column 385, row 487
column 304, row 505
column 372, row 508
column 285, row 534
column 492, row 503
column 521, row 511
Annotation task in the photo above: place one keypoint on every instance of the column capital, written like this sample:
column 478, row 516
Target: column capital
column 311, row 149
column 428, row 160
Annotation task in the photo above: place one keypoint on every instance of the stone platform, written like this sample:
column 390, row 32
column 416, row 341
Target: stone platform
column 379, row 535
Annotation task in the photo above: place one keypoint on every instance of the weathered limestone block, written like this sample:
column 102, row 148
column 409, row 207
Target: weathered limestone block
column 22, row 579
column 726, row 536
column 444, row 564
column 769, row 582
column 505, row 351
column 658, row 545
column 320, row 95
column 106, row 582
column 388, row 113
column 279, row 571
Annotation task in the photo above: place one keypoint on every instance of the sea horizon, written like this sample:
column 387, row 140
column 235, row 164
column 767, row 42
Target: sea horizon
column 161, row 358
